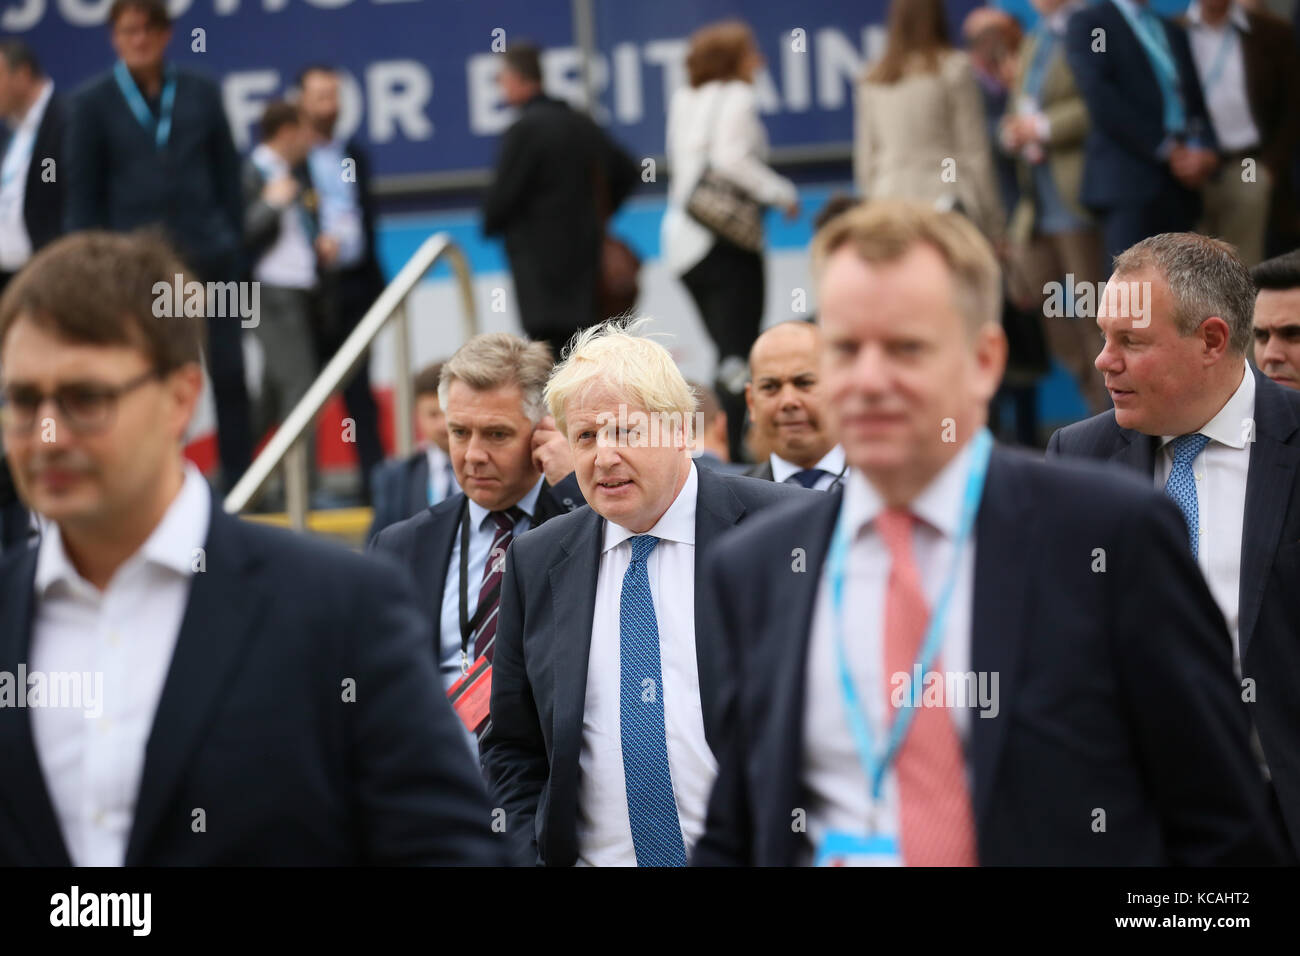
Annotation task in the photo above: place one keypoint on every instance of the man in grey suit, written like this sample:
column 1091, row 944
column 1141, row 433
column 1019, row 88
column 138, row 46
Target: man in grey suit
column 604, row 721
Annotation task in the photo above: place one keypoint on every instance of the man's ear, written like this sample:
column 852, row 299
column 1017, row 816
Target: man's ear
column 185, row 388
column 1215, row 336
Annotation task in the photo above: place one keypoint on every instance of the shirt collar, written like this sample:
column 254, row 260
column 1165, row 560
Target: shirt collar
column 437, row 458
column 527, row 504
column 171, row 545
column 939, row 504
column 1229, row 427
column 832, row 461
column 32, row 118
column 676, row 524
column 1236, row 17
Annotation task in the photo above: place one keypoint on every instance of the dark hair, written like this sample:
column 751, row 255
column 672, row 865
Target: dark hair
column 277, row 115
column 155, row 12
column 717, row 50
column 1281, row 272
column 97, row 288
column 18, row 54
column 311, row 68
column 524, row 59
column 426, row 380
column 917, row 29
column 706, row 402
column 838, row 203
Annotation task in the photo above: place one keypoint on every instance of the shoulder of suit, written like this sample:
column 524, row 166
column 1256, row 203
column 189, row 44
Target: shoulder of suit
column 551, row 532
column 326, row 565
column 1091, row 430
column 757, row 491
column 789, row 520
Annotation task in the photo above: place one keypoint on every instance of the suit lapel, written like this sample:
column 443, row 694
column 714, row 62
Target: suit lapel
column 1270, row 481
column 29, row 805
column 717, row 509
column 431, row 560
column 224, row 604
column 1136, row 452
column 573, row 595
column 997, row 612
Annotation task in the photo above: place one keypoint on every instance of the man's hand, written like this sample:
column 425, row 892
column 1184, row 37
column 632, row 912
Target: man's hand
column 327, row 249
column 280, row 192
column 551, row 452
column 1192, row 165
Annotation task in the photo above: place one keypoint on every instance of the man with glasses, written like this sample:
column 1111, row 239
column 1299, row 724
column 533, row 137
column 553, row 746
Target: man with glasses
column 148, row 145
column 214, row 671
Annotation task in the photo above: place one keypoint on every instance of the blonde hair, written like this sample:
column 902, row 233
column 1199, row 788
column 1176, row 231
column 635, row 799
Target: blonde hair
column 885, row 230
column 613, row 355
column 498, row 359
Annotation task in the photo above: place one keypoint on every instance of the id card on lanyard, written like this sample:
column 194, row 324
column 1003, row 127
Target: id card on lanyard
column 876, row 848
column 162, row 129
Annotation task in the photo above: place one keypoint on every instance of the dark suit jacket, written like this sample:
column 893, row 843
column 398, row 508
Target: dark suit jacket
column 1127, row 111
column 1273, row 86
column 118, row 180
column 1269, row 600
column 762, row 471
column 15, row 521
column 544, row 199
column 252, row 725
column 1115, row 688
column 423, row 543
column 261, row 219
column 365, row 280
column 398, row 490
column 539, row 680
column 43, row 201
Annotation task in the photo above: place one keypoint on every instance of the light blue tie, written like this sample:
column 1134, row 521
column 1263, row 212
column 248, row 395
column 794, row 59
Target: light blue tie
column 1181, row 485
column 651, row 807
column 1150, row 32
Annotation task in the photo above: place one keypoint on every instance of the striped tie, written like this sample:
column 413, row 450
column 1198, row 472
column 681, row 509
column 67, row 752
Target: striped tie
column 494, row 569
column 935, row 816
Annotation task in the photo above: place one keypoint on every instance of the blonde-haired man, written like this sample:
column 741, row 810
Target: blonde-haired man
column 984, row 658
column 606, row 676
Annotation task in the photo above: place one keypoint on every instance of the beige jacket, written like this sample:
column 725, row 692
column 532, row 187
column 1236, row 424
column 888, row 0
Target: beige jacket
column 906, row 134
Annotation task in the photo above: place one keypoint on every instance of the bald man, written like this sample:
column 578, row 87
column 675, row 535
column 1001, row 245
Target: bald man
column 788, row 409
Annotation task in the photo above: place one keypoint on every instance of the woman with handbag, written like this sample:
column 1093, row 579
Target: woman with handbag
column 712, row 235
column 919, row 130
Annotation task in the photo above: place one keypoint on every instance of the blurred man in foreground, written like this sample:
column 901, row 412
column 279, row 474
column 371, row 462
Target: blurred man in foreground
column 926, row 654
column 281, row 687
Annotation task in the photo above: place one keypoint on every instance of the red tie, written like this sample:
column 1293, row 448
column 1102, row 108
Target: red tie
column 934, row 814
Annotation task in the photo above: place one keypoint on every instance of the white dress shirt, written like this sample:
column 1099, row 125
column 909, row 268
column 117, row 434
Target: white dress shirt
column 15, row 243
column 1226, row 97
column 833, row 463
column 716, row 124
column 836, row 789
column 1220, row 473
column 442, row 479
column 127, row 634
column 290, row 261
column 604, row 828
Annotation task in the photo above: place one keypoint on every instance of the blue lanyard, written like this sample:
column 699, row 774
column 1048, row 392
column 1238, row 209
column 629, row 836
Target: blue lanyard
column 1220, row 58
column 875, row 765
column 163, row 130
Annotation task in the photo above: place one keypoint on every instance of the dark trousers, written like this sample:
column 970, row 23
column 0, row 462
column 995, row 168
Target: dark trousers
column 225, row 357
column 348, row 296
column 728, row 287
column 1128, row 224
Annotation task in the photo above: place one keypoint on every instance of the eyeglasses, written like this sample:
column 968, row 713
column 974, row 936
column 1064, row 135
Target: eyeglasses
column 86, row 407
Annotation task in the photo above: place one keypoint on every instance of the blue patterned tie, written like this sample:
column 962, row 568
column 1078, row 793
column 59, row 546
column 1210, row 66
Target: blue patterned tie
column 1181, row 485
column 651, row 807
column 808, row 477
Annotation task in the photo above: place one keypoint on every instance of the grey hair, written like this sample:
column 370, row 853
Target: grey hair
column 498, row 359
column 1205, row 276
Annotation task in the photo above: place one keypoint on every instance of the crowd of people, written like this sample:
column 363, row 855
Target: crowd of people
column 585, row 630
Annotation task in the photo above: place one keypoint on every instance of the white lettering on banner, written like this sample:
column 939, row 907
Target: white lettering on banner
column 398, row 94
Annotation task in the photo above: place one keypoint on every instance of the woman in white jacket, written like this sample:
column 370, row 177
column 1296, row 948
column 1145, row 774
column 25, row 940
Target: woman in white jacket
column 714, row 122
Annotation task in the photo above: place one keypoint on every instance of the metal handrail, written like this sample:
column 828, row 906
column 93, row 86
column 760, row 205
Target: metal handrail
column 286, row 446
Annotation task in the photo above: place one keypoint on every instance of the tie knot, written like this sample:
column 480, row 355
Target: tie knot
column 505, row 520
column 642, row 545
column 1187, row 447
column 895, row 526
column 809, row 476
